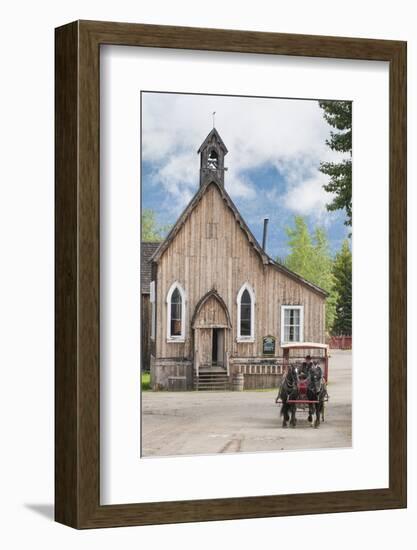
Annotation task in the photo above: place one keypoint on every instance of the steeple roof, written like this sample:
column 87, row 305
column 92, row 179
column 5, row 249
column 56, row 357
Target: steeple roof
column 214, row 133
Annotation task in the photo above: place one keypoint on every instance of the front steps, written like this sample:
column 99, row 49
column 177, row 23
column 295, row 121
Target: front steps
column 212, row 379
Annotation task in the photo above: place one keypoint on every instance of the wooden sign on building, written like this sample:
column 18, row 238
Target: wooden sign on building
column 268, row 345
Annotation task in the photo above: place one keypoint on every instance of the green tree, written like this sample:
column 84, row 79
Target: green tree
column 310, row 257
column 300, row 258
column 339, row 115
column 342, row 272
column 151, row 231
column 323, row 273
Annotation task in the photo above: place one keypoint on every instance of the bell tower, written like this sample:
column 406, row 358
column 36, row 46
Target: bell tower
column 212, row 152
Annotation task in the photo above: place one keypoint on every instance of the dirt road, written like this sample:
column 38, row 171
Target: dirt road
column 189, row 423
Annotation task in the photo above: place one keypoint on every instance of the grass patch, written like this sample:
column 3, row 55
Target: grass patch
column 146, row 381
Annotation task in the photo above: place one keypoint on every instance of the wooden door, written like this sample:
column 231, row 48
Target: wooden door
column 203, row 346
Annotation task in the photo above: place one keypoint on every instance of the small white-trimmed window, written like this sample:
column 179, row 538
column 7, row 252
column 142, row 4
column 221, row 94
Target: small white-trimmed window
column 246, row 314
column 292, row 324
column 176, row 313
column 153, row 309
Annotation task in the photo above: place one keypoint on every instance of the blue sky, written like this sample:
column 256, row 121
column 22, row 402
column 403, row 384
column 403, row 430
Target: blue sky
column 275, row 148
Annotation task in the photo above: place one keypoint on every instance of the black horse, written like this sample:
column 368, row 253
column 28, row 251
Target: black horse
column 288, row 391
column 316, row 391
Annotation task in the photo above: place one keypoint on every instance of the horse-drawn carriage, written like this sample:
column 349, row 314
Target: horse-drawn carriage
column 304, row 387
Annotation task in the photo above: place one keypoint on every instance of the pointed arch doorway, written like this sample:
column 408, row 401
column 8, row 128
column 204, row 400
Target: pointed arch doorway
column 211, row 329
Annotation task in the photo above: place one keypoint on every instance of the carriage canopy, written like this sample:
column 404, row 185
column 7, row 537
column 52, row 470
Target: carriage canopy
column 309, row 346
column 304, row 345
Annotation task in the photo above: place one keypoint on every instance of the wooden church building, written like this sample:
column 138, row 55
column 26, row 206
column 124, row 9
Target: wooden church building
column 220, row 307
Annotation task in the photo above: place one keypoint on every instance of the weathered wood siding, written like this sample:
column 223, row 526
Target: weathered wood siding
column 211, row 251
column 261, row 381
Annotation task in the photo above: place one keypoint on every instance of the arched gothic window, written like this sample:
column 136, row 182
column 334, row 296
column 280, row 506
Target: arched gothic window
column 176, row 307
column 246, row 314
column 176, row 313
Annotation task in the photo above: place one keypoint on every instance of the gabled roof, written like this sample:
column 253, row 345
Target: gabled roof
column 146, row 251
column 192, row 204
column 265, row 258
column 216, row 134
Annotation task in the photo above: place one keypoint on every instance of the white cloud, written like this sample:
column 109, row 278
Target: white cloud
column 282, row 133
column 239, row 186
column 253, row 129
column 308, row 197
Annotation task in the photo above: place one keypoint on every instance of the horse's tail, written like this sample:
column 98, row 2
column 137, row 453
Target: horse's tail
column 281, row 412
column 280, row 390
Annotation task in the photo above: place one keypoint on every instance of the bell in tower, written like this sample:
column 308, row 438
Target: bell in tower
column 212, row 152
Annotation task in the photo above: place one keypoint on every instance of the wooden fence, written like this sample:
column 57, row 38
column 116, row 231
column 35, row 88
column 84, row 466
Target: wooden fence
column 340, row 342
column 259, row 376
